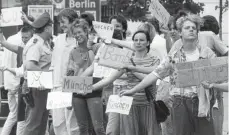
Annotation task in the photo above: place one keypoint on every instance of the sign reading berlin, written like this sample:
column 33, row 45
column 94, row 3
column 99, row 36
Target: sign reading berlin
column 90, row 6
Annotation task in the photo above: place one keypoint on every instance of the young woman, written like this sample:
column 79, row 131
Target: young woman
column 141, row 120
column 185, row 109
column 90, row 104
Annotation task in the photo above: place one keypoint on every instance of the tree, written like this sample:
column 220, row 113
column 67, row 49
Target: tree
column 222, row 9
column 136, row 9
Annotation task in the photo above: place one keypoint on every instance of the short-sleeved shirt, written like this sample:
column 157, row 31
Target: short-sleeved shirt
column 37, row 50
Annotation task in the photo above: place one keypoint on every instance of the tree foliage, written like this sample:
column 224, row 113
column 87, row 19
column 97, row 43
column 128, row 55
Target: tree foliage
column 136, row 9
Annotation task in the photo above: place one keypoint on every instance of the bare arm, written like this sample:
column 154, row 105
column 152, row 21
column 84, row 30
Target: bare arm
column 88, row 71
column 122, row 43
column 11, row 47
column 115, row 75
column 140, row 75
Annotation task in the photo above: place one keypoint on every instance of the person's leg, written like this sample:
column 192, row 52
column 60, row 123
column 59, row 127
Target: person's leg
column 181, row 120
column 59, row 121
column 218, row 116
column 95, row 107
column 36, row 117
column 20, row 127
column 12, row 117
column 71, row 122
column 82, row 115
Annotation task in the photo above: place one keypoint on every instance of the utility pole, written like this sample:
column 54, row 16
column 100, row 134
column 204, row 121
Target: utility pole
column 220, row 17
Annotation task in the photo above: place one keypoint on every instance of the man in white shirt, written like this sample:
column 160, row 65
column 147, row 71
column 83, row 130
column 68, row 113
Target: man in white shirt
column 11, row 82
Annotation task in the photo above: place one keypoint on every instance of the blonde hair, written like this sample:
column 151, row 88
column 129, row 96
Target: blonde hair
column 147, row 27
column 190, row 17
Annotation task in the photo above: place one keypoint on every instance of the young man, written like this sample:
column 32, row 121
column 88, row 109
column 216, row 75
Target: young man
column 13, row 59
column 64, row 120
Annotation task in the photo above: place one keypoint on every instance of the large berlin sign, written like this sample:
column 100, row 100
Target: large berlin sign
column 91, row 6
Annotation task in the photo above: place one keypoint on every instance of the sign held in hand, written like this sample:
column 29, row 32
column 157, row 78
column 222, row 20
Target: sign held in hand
column 59, row 100
column 104, row 30
column 11, row 17
column 37, row 79
column 77, row 84
column 114, row 57
column 193, row 73
column 119, row 104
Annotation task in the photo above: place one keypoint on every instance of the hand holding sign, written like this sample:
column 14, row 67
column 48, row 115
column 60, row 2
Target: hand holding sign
column 76, row 84
column 119, row 104
column 104, row 30
column 40, row 80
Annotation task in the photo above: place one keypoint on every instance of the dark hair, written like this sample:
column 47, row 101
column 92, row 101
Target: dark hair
column 210, row 24
column 88, row 17
column 117, row 34
column 147, row 37
column 25, row 24
column 68, row 13
column 155, row 23
column 25, row 29
column 121, row 20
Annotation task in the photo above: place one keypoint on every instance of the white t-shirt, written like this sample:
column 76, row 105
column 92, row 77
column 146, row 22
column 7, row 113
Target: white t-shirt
column 10, row 60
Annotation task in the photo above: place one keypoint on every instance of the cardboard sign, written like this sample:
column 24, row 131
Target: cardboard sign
column 159, row 12
column 193, row 73
column 104, row 30
column 38, row 79
column 59, row 100
column 101, row 71
column 90, row 6
column 119, row 104
column 77, row 84
column 37, row 10
column 114, row 57
column 11, row 17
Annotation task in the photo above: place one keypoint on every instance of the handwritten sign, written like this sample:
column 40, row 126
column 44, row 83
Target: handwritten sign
column 90, row 6
column 37, row 10
column 104, row 30
column 114, row 57
column 77, row 84
column 38, row 79
column 59, row 100
column 11, row 17
column 193, row 73
column 159, row 12
column 101, row 71
column 119, row 104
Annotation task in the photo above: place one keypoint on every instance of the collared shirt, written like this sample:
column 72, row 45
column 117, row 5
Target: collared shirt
column 60, row 56
column 177, row 55
column 37, row 50
column 11, row 82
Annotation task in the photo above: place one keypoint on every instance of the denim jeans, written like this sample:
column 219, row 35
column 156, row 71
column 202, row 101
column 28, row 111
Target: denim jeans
column 185, row 118
column 218, row 116
column 87, row 110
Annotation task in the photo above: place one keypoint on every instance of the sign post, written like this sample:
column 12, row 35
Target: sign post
column 90, row 6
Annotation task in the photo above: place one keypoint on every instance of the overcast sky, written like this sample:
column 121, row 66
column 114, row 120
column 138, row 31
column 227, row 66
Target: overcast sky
column 209, row 9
